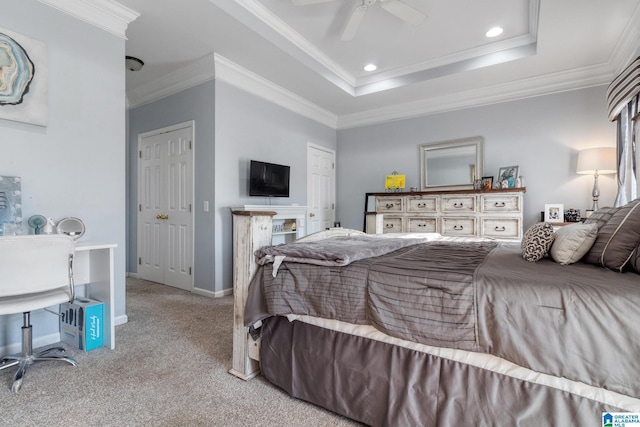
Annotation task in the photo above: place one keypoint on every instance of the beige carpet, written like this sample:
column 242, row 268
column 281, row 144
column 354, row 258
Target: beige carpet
column 169, row 368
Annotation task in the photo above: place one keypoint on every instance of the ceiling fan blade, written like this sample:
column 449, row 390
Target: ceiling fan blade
column 306, row 2
column 353, row 24
column 403, row 11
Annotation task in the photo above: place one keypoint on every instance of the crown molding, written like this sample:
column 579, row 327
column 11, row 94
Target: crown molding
column 218, row 67
column 193, row 74
column 240, row 77
column 512, row 91
column 629, row 43
column 106, row 14
column 259, row 18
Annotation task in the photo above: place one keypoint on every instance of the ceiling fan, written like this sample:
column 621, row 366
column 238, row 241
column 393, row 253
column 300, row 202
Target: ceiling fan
column 395, row 7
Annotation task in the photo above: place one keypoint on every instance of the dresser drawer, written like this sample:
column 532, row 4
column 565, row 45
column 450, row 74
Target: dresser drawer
column 507, row 203
column 426, row 204
column 458, row 204
column 391, row 225
column 422, row 225
column 389, row 204
column 453, row 226
column 501, row 228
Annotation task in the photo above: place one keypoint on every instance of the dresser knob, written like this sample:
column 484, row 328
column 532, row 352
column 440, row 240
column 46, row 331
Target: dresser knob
column 458, row 227
column 500, row 228
column 500, row 205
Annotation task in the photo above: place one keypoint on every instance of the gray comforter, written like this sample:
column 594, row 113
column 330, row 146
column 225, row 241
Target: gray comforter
column 575, row 321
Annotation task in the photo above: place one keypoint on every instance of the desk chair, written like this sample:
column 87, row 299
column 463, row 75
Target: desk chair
column 35, row 272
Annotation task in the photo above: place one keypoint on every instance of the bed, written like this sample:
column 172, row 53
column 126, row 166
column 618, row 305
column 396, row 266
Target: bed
column 427, row 330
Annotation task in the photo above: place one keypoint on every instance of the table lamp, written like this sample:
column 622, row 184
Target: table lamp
column 597, row 161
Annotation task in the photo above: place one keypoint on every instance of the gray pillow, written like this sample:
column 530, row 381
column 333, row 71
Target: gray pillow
column 572, row 242
column 617, row 238
column 536, row 241
column 634, row 262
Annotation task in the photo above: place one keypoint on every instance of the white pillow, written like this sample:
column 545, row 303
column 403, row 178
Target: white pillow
column 572, row 242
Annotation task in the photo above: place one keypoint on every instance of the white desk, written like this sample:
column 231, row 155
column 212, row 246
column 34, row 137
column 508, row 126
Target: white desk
column 93, row 276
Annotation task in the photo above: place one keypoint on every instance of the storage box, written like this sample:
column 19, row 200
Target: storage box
column 81, row 323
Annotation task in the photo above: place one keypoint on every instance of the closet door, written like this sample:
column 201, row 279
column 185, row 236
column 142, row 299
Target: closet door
column 165, row 219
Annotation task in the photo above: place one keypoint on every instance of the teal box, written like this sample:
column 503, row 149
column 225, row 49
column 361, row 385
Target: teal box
column 81, row 323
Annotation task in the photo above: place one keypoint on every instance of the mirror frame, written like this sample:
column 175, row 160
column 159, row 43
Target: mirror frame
column 476, row 141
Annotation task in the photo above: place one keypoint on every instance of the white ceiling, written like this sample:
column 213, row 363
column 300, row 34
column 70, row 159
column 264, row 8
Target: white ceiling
column 443, row 64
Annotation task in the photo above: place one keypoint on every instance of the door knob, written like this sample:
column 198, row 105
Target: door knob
column 159, row 216
column 311, row 215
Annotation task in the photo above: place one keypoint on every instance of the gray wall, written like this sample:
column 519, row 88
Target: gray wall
column 542, row 135
column 231, row 127
column 248, row 127
column 196, row 103
column 75, row 166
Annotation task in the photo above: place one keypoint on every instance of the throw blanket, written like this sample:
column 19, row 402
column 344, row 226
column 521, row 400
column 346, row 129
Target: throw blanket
column 337, row 251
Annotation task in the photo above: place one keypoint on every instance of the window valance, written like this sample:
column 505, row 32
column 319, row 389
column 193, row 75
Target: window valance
column 623, row 89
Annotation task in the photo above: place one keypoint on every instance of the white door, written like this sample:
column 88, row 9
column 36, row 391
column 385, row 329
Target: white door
column 165, row 218
column 321, row 196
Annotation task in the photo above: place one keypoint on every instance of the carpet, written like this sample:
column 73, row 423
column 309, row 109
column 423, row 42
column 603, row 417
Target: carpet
column 169, row 368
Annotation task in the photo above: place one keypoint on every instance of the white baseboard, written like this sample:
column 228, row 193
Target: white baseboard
column 211, row 294
column 132, row 275
column 37, row 343
column 121, row 320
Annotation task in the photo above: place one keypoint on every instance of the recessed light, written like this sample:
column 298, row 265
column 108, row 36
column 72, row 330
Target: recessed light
column 370, row 67
column 494, row 32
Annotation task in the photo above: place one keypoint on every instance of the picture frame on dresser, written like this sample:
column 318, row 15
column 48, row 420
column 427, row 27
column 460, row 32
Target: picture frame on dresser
column 509, row 174
column 487, row 182
column 553, row 212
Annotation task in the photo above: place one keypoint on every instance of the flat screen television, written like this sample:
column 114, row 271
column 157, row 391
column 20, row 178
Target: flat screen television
column 268, row 179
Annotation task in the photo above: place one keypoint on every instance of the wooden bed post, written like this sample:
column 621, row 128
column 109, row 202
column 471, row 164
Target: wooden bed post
column 251, row 231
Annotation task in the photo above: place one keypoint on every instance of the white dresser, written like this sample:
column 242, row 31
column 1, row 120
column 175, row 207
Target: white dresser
column 465, row 213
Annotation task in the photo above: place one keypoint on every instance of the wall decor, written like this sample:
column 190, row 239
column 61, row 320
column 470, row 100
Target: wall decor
column 554, row 213
column 508, row 174
column 10, row 205
column 24, row 78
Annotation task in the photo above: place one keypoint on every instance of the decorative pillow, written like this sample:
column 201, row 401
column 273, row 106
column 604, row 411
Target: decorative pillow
column 601, row 216
column 617, row 238
column 572, row 242
column 536, row 241
column 634, row 263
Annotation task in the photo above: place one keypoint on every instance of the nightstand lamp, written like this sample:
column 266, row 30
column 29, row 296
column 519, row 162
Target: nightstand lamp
column 597, row 161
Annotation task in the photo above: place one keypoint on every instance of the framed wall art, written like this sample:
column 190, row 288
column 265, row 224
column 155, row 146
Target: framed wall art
column 24, row 78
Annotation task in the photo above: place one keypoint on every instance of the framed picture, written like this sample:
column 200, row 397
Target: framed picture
column 507, row 176
column 554, row 213
column 487, row 182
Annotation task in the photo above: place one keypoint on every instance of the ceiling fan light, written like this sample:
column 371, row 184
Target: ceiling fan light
column 354, row 22
column 494, row 32
column 370, row 67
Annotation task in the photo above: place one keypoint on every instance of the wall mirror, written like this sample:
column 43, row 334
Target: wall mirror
column 451, row 165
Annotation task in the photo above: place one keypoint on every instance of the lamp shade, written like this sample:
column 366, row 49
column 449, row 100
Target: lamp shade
column 601, row 160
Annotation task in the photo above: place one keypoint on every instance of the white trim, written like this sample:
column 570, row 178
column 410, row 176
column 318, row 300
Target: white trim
column 197, row 72
column 213, row 294
column 250, row 82
column 520, row 89
column 292, row 42
column 109, row 15
column 625, row 49
column 120, row 320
